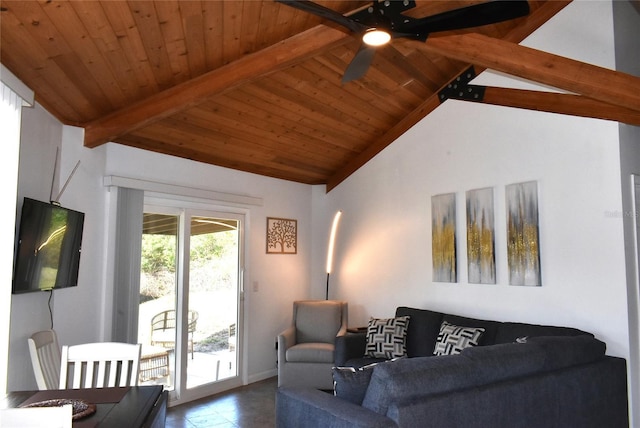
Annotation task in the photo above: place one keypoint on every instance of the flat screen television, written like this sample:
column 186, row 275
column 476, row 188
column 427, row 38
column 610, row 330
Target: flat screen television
column 48, row 247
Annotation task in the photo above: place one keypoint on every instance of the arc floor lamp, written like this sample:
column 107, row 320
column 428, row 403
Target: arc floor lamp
column 332, row 241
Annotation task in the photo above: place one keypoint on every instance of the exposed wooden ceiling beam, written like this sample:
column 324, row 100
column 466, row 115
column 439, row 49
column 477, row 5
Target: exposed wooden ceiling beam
column 198, row 90
column 575, row 105
column 595, row 82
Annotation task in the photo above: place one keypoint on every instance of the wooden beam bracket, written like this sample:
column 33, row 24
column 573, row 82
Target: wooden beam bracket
column 460, row 89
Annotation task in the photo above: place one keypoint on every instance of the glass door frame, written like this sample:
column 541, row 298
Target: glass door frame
column 185, row 210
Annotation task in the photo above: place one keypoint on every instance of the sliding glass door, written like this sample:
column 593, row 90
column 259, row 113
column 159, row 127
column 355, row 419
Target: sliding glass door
column 190, row 300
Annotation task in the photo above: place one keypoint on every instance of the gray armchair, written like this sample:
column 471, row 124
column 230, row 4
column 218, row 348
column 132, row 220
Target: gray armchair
column 306, row 349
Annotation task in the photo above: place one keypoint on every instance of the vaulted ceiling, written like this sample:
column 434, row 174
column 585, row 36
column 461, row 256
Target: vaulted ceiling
column 256, row 85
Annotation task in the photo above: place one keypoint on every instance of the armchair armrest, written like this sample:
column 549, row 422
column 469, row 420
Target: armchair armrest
column 286, row 340
column 350, row 346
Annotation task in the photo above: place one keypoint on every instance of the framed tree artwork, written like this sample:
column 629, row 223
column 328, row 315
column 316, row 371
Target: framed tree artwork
column 282, row 236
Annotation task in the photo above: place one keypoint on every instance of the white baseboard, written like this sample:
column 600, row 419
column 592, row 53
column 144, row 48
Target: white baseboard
column 262, row 376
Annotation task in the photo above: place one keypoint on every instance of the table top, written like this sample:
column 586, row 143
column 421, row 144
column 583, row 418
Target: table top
column 115, row 407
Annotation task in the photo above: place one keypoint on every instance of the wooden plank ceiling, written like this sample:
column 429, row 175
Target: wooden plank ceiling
column 255, row 85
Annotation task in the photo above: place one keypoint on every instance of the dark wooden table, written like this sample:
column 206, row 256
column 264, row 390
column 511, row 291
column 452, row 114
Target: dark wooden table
column 136, row 406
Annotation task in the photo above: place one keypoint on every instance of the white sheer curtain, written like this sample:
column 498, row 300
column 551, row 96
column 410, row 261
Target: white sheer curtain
column 10, row 114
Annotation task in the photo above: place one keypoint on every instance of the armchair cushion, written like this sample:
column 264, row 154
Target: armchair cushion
column 310, row 353
column 317, row 321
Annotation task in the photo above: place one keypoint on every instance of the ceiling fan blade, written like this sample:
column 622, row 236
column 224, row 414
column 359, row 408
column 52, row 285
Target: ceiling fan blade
column 325, row 13
column 359, row 64
column 470, row 16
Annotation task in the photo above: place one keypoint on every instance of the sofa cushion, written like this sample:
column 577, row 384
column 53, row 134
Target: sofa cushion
column 564, row 351
column 350, row 383
column 510, row 331
column 452, row 338
column 490, row 327
column 538, row 354
column 410, row 378
column 386, row 337
column 423, row 330
column 506, row 360
column 310, row 352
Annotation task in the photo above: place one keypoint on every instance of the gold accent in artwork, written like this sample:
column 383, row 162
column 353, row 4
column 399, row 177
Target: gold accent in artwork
column 523, row 237
column 282, row 236
column 443, row 237
column 481, row 259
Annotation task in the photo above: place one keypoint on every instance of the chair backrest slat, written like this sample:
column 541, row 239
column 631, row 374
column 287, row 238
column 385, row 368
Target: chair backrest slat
column 100, row 365
column 124, row 374
column 45, row 358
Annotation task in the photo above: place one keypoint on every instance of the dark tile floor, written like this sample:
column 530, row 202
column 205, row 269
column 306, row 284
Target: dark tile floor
column 250, row 406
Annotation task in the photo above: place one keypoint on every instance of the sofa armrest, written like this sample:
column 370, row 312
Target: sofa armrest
column 306, row 407
column 348, row 346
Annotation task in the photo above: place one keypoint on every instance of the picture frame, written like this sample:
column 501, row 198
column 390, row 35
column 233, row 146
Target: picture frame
column 282, row 235
column 523, row 235
column 443, row 238
column 481, row 257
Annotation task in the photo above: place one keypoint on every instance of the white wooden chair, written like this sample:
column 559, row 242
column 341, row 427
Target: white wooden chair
column 38, row 417
column 99, row 365
column 45, row 358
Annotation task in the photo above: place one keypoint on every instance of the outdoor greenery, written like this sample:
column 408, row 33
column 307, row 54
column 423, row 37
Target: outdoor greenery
column 212, row 263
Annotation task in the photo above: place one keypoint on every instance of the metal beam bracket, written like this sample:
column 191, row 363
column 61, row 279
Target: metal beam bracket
column 460, row 89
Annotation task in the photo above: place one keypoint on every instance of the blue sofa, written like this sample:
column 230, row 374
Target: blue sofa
column 520, row 375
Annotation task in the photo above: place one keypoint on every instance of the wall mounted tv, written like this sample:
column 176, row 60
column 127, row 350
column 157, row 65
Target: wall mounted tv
column 48, row 247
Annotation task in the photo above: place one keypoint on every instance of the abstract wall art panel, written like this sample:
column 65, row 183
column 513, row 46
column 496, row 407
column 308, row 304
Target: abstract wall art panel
column 443, row 237
column 523, row 238
column 481, row 259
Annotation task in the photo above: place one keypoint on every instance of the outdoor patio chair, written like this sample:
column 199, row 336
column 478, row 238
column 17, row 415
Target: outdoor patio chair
column 163, row 329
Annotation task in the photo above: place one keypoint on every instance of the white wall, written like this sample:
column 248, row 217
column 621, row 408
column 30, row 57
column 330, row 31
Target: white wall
column 384, row 244
column 80, row 313
column 12, row 92
column 29, row 312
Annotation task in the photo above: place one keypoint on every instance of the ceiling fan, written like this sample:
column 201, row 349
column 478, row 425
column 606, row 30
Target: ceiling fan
column 383, row 21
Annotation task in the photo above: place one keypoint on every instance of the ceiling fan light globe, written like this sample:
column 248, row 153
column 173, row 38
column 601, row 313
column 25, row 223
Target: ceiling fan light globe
column 375, row 37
